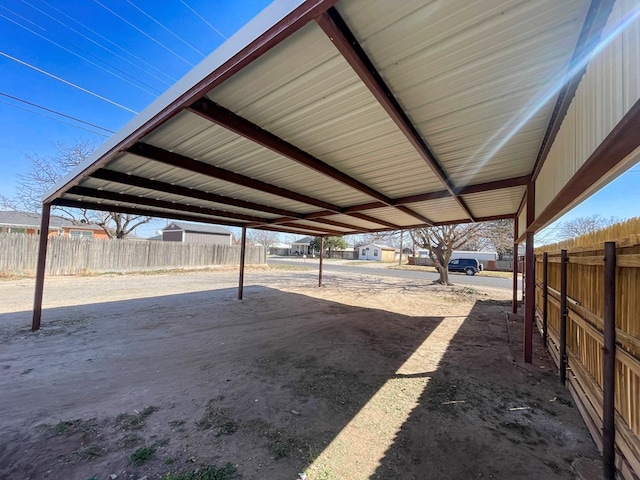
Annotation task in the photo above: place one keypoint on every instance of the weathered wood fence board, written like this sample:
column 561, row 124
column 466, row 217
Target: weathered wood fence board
column 585, row 337
column 68, row 256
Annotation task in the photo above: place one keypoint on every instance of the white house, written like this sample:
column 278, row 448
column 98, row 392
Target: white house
column 301, row 246
column 374, row 251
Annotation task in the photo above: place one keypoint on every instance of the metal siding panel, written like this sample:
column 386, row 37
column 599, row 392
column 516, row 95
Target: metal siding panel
column 522, row 221
column 631, row 56
column 597, row 107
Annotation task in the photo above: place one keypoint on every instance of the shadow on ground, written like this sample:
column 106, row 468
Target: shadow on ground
column 277, row 384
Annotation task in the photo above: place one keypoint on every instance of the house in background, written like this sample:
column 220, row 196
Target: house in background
column 29, row 223
column 196, row 233
column 373, row 251
column 302, row 246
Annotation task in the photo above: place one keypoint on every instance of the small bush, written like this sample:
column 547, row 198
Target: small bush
column 142, row 455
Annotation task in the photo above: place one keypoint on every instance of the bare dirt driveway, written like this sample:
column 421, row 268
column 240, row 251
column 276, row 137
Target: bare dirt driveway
column 167, row 376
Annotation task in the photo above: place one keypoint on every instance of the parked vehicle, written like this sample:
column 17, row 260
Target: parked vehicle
column 470, row 266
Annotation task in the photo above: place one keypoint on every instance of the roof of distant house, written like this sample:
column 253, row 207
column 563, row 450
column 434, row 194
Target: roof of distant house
column 32, row 220
column 303, row 240
column 199, row 228
column 381, row 247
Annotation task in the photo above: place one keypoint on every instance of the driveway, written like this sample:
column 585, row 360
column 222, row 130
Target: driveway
column 383, row 270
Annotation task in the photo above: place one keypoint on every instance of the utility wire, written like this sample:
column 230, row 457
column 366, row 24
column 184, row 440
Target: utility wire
column 153, row 94
column 66, row 82
column 17, row 99
column 77, row 32
column 23, row 18
column 167, row 29
column 141, row 60
column 53, row 118
column 203, row 19
column 144, row 33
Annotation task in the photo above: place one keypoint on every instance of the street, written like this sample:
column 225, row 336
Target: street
column 383, row 270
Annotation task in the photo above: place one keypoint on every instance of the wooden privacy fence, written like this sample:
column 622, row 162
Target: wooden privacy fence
column 68, row 256
column 588, row 311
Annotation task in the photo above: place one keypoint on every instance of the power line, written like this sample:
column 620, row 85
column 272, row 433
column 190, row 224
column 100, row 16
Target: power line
column 53, row 118
column 141, row 60
column 66, row 82
column 167, row 29
column 17, row 99
column 112, row 52
column 81, row 57
column 23, row 18
column 203, row 19
column 144, row 33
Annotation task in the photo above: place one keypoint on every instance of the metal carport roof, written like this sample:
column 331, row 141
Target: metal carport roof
column 334, row 117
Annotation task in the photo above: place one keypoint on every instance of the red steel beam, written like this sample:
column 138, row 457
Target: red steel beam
column 155, row 185
column 219, row 115
column 186, row 163
column 337, row 30
column 152, row 202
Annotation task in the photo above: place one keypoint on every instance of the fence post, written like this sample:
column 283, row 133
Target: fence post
column 609, row 362
column 545, row 297
column 564, row 259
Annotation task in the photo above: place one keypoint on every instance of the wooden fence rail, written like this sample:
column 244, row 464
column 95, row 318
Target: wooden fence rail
column 68, row 256
column 587, row 308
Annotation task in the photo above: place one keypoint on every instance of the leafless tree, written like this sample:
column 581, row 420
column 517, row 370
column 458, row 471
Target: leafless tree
column 265, row 238
column 582, row 225
column 45, row 172
column 441, row 241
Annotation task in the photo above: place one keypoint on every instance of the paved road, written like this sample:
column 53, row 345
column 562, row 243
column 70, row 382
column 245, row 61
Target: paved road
column 383, row 271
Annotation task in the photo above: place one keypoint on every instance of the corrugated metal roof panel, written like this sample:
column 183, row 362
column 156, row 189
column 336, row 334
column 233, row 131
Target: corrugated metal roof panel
column 393, row 215
column 321, row 106
column 215, row 145
column 472, row 72
column 440, row 210
column 497, row 202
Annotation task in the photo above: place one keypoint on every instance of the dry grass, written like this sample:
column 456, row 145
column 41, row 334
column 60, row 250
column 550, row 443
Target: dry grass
column 484, row 273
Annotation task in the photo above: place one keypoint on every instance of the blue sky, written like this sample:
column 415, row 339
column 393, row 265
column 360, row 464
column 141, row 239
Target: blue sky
column 113, row 50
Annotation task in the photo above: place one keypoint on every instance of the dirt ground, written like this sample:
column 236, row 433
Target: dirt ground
column 168, row 376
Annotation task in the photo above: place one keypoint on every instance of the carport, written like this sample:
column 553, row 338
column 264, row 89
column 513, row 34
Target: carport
column 326, row 117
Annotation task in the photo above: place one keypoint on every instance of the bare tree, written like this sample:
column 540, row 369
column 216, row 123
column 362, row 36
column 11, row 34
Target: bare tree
column 582, row 225
column 265, row 238
column 441, row 241
column 45, row 172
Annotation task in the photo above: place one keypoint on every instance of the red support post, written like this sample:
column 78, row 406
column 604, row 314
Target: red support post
column 320, row 263
column 243, row 249
column 40, row 269
column 515, row 266
column 529, row 299
column 609, row 363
